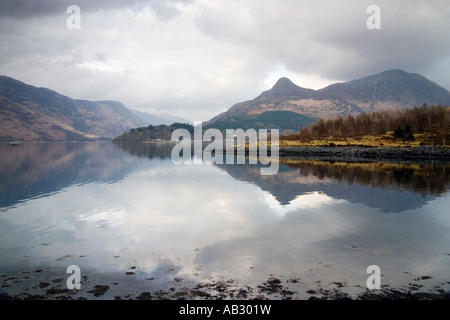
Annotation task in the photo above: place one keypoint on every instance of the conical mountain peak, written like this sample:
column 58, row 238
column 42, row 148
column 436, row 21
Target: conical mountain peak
column 283, row 82
column 285, row 88
column 388, row 90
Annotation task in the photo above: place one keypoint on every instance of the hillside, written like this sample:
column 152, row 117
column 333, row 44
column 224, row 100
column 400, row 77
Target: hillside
column 156, row 120
column 284, row 120
column 424, row 125
column 396, row 86
column 152, row 133
column 389, row 90
column 28, row 113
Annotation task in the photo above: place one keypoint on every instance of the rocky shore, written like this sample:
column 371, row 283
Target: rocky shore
column 36, row 285
column 427, row 154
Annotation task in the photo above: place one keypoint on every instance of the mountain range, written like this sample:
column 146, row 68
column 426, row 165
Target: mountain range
column 388, row 90
column 28, row 113
column 158, row 119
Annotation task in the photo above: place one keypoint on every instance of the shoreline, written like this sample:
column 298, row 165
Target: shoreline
column 38, row 284
column 420, row 154
column 431, row 152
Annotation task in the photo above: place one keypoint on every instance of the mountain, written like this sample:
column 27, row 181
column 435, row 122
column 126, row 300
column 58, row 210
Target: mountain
column 408, row 89
column 28, row 113
column 159, row 119
column 392, row 89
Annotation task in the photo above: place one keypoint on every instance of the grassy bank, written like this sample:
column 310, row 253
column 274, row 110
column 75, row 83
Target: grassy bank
column 379, row 140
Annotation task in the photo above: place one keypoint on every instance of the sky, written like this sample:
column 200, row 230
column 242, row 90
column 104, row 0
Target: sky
column 196, row 58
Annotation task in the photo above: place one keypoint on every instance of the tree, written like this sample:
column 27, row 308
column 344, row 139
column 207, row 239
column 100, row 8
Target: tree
column 434, row 120
column 410, row 136
column 408, row 129
column 399, row 132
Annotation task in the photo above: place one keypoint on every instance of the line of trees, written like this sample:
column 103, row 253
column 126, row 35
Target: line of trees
column 435, row 119
column 149, row 133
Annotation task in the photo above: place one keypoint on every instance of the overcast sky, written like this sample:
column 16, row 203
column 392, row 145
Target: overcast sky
column 196, row 58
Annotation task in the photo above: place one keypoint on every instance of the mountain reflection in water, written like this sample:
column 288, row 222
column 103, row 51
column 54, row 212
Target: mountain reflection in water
column 135, row 221
column 34, row 170
column 390, row 187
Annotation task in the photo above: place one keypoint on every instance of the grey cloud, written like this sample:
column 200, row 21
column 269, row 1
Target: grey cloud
column 330, row 38
column 101, row 56
column 214, row 54
column 23, row 9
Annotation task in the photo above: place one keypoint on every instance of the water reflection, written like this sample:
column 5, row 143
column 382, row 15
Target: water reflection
column 32, row 170
column 148, row 150
column 420, row 178
column 38, row 169
column 424, row 179
column 390, row 187
column 127, row 212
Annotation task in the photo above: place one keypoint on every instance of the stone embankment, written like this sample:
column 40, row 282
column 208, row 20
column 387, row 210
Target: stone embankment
column 357, row 153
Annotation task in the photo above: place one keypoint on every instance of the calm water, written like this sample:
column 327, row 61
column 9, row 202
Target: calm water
column 135, row 222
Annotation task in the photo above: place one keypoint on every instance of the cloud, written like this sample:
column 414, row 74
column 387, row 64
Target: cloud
column 197, row 58
column 25, row 9
column 330, row 38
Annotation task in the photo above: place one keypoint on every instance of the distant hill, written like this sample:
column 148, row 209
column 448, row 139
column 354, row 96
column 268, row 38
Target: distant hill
column 389, row 90
column 159, row 119
column 397, row 86
column 28, row 113
column 152, row 133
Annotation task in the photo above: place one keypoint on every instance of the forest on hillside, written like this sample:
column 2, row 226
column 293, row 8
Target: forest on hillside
column 153, row 133
column 403, row 124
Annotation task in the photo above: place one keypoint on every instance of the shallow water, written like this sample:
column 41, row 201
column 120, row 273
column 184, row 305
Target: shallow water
column 135, row 222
